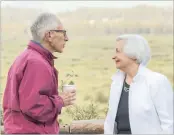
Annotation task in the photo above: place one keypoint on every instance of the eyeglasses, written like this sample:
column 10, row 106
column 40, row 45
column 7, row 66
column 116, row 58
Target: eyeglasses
column 62, row 31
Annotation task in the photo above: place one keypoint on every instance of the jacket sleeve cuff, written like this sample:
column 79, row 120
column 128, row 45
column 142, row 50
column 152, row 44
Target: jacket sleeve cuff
column 58, row 102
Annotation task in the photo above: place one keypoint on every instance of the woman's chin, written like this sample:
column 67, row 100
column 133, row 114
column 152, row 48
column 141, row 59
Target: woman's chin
column 118, row 65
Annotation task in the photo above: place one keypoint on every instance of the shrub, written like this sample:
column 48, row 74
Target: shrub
column 83, row 113
column 87, row 97
column 101, row 98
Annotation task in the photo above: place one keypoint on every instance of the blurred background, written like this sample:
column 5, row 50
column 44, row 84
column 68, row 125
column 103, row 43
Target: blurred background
column 92, row 27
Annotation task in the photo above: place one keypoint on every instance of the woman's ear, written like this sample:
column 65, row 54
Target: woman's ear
column 135, row 59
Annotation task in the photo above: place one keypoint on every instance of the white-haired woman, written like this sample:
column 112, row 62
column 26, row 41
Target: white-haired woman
column 141, row 100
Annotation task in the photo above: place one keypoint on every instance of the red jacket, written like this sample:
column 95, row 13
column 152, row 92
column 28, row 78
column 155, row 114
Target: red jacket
column 31, row 103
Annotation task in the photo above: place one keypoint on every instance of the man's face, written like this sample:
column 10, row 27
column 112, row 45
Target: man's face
column 57, row 39
column 121, row 60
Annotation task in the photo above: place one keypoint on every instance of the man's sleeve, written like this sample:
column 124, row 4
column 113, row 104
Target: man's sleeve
column 35, row 98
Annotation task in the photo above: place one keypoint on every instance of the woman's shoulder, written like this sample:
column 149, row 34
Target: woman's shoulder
column 153, row 76
column 157, row 80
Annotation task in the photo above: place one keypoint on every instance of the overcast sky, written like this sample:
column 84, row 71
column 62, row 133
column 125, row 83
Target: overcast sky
column 58, row 6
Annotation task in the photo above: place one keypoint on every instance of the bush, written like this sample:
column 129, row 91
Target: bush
column 83, row 113
column 87, row 97
column 105, row 110
column 60, row 121
column 101, row 98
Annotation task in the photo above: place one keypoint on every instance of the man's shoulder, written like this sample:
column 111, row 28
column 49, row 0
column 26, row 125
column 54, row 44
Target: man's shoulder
column 29, row 58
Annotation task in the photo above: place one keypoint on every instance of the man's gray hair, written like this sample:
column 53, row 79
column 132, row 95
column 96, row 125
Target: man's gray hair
column 43, row 23
column 136, row 47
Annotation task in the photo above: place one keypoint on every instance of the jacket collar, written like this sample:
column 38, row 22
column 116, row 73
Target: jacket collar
column 121, row 74
column 44, row 52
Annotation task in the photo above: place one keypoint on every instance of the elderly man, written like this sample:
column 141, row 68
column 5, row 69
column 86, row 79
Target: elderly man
column 31, row 100
column 141, row 100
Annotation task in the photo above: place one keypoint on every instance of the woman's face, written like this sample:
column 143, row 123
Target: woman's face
column 121, row 60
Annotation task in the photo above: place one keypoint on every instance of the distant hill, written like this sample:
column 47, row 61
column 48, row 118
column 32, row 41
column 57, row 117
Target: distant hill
column 139, row 19
column 140, row 13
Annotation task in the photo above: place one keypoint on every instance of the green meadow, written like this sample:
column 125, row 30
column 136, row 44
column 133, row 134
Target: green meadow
column 92, row 33
column 91, row 59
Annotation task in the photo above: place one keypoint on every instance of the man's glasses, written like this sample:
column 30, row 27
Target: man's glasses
column 62, row 31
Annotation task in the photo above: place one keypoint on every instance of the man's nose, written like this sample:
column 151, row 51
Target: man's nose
column 66, row 38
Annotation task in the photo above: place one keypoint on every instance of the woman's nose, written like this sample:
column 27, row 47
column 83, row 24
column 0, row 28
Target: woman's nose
column 114, row 57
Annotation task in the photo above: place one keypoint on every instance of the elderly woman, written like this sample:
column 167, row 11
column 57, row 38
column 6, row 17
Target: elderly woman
column 141, row 100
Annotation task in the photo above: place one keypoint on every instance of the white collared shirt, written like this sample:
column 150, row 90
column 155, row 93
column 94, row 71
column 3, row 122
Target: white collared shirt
column 150, row 103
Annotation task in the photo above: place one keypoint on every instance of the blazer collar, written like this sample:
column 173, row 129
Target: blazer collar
column 120, row 74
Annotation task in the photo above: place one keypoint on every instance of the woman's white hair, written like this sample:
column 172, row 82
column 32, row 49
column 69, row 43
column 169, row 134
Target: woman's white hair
column 43, row 23
column 136, row 47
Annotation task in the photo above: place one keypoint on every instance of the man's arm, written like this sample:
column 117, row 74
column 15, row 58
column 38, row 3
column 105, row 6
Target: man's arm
column 35, row 89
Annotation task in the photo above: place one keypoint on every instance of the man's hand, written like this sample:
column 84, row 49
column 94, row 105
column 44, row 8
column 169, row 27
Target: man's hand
column 68, row 97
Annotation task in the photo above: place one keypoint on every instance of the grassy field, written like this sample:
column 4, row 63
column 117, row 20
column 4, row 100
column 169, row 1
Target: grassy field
column 90, row 58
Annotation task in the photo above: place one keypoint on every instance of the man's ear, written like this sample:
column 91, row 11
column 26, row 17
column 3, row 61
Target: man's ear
column 48, row 36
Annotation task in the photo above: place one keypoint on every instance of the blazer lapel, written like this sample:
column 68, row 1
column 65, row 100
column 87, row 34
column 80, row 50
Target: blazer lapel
column 116, row 89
